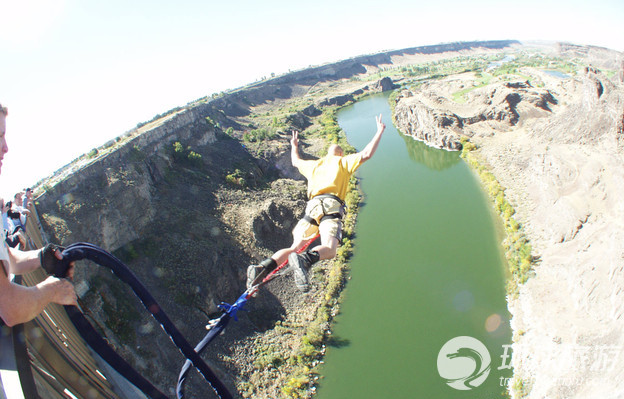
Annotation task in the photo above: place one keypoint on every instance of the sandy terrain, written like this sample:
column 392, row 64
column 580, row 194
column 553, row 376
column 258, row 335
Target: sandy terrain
column 568, row 193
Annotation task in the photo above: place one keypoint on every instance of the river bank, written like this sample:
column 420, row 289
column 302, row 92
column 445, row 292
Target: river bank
column 560, row 163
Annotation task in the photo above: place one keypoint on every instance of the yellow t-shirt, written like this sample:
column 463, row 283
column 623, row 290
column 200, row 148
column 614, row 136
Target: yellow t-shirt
column 330, row 174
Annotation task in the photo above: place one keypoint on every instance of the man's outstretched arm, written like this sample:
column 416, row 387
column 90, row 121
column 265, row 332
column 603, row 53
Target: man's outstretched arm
column 371, row 147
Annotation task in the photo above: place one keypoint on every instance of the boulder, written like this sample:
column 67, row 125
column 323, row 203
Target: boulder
column 298, row 120
column 384, row 84
column 311, row 111
column 338, row 100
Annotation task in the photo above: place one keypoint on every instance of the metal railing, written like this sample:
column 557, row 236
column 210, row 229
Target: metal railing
column 62, row 364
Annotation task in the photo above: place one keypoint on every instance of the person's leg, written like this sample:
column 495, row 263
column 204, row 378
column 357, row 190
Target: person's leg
column 330, row 230
column 302, row 232
column 282, row 255
column 328, row 247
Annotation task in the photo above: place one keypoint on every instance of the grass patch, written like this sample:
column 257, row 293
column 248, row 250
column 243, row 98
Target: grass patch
column 482, row 81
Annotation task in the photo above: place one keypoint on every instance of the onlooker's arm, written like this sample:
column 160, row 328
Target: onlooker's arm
column 25, row 261
column 21, row 262
column 19, row 304
column 371, row 147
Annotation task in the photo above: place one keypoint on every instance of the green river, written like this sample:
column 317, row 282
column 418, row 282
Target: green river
column 427, row 268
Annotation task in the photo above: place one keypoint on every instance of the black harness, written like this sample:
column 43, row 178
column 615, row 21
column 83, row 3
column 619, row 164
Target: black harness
column 326, row 215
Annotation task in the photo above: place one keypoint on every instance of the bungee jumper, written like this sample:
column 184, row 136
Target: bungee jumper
column 328, row 181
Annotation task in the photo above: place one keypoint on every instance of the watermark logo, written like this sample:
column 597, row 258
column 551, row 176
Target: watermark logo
column 464, row 363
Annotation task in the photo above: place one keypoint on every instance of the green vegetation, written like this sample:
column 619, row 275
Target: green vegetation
column 118, row 313
column 136, row 154
column 186, row 156
column 520, row 387
column 127, row 253
column 483, row 80
column 236, row 178
column 331, row 131
column 256, row 135
column 512, row 69
column 266, row 127
column 518, row 250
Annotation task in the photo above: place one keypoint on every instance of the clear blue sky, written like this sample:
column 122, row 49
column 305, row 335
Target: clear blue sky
column 76, row 73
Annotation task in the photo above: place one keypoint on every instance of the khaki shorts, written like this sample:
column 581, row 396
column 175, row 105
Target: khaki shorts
column 317, row 208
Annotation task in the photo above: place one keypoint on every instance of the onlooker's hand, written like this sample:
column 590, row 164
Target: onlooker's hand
column 51, row 259
column 70, row 270
column 62, row 290
column 22, row 238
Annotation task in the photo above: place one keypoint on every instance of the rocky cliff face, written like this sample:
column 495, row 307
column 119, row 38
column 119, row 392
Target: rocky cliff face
column 440, row 122
column 563, row 174
column 120, row 189
column 164, row 214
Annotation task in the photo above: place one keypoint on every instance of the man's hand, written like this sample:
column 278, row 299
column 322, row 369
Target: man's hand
column 380, row 125
column 294, row 141
column 61, row 290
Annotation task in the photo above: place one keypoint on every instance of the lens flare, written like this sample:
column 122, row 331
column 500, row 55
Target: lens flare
column 493, row 322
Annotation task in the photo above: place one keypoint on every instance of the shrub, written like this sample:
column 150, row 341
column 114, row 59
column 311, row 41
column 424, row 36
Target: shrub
column 236, row 178
column 195, row 158
column 295, row 388
column 178, row 150
column 136, row 155
column 186, row 156
column 257, row 135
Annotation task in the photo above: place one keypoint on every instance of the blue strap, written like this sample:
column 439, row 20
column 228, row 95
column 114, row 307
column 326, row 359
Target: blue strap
column 229, row 312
